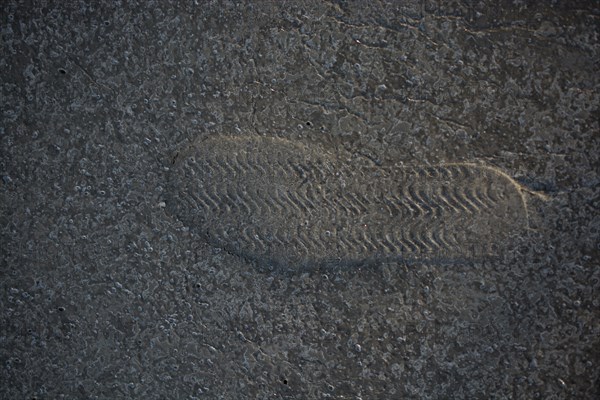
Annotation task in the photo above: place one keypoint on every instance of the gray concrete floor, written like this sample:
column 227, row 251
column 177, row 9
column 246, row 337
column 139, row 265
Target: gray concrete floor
column 105, row 294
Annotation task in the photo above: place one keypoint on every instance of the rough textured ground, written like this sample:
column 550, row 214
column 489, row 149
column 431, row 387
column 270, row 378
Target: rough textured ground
column 106, row 295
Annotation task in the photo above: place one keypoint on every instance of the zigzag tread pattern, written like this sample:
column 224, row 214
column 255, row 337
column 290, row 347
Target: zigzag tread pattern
column 285, row 203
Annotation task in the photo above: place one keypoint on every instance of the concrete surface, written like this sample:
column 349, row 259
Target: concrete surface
column 105, row 295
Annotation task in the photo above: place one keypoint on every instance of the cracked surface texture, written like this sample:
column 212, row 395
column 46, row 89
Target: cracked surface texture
column 109, row 291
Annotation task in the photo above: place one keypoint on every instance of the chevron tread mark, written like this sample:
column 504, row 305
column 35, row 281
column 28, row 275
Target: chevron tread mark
column 293, row 205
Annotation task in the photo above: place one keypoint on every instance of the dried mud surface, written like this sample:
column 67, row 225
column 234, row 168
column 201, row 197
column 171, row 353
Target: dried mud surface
column 105, row 293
